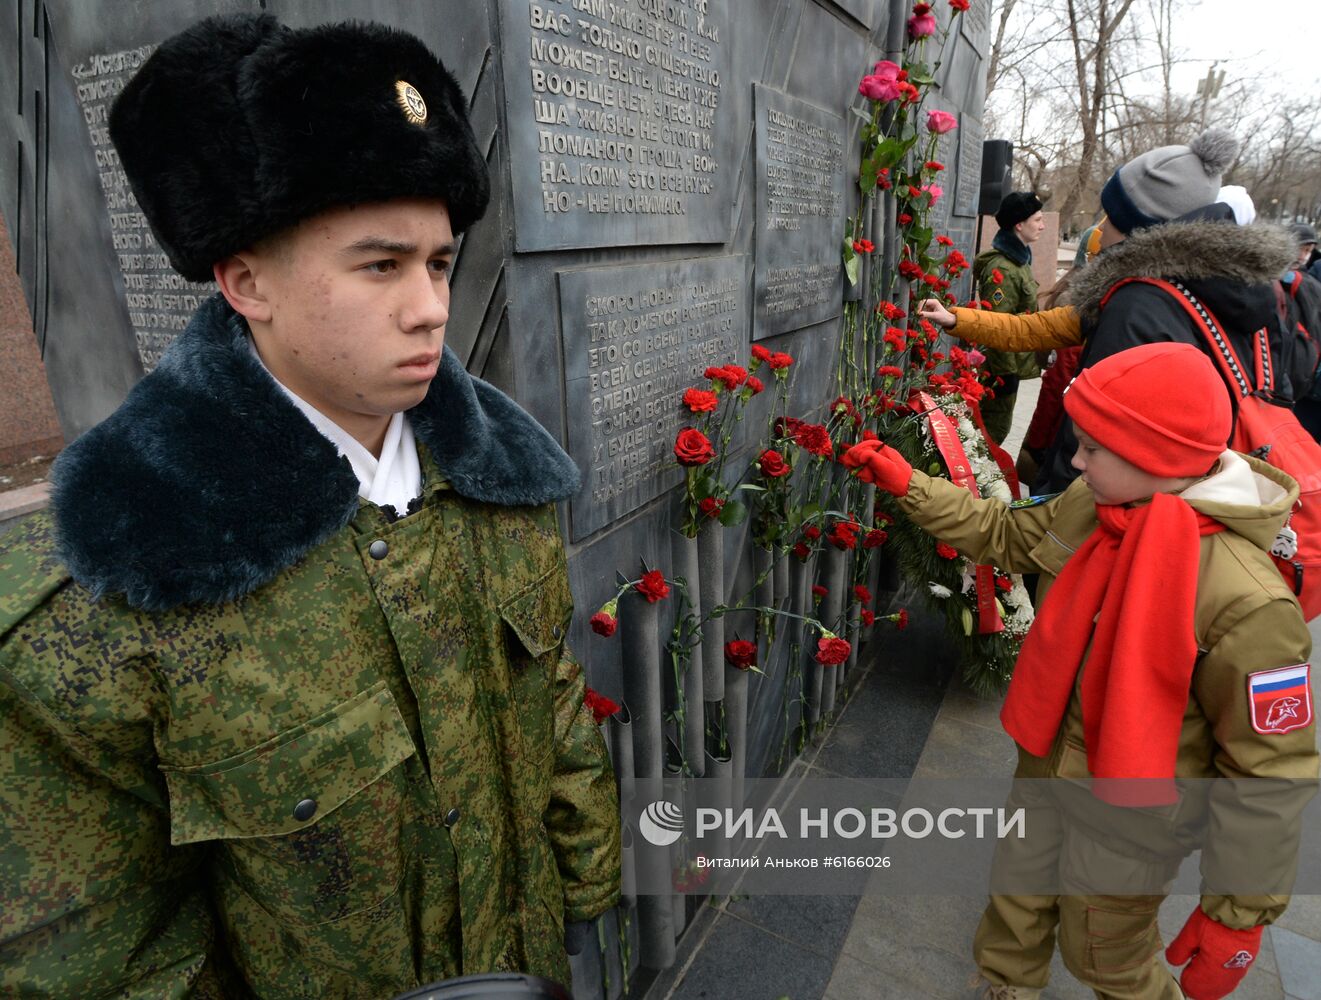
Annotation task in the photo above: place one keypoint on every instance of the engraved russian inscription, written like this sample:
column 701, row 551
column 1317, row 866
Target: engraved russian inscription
column 800, row 213
column 634, row 337
column 967, row 188
column 613, row 111
column 975, row 25
column 159, row 301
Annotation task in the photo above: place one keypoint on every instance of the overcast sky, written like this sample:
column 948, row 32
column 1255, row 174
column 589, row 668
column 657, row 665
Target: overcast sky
column 1278, row 43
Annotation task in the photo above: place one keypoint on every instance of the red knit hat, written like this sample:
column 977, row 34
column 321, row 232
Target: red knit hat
column 1162, row 407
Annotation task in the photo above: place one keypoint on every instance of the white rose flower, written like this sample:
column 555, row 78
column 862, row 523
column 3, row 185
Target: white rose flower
column 939, row 591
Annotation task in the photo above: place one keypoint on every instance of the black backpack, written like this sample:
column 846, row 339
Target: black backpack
column 1298, row 298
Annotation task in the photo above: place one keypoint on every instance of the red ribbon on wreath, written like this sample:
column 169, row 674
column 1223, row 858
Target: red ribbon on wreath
column 946, row 437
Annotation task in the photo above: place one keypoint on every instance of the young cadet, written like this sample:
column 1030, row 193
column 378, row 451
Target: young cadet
column 1003, row 274
column 1167, row 646
column 285, row 706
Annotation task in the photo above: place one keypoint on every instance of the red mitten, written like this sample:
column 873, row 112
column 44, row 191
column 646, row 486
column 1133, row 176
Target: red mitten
column 1221, row 956
column 880, row 464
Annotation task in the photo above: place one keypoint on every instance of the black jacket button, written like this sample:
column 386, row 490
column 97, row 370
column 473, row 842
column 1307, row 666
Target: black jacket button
column 452, row 817
column 305, row 810
column 378, row 549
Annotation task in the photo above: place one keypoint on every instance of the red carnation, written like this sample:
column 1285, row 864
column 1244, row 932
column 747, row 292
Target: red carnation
column 862, row 594
column 874, row 539
column 959, row 5
column 910, row 270
column 692, row 447
column 760, row 353
column 901, row 619
column 814, row 438
column 741, row 653
column 599, row 705
column 603, row 623
column 946, row 551
column 832, row 651
column 844, row 535
column 890, row 311
column 780, row 360
column 755, row 384
column 863, row 246
column 652, row 586
column 787, row 427
column 889, row 371
column 731, row 376
column 934, row 165
column 700, row 401
column 868, row 618
column 773, row 465
column 904, row 219
column 801, row 551
column 819, row 591
column 1004, row 583
column 711, row 506
column 812, row 532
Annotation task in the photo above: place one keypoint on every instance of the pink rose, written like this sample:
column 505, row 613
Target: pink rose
column 883, row 84
column 922, row 23
column 887, row 69
column 976, row 357
column 935, row 190
column 941, row 122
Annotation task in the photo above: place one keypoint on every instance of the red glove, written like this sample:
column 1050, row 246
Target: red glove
column 1221, row 956
column 878, row 463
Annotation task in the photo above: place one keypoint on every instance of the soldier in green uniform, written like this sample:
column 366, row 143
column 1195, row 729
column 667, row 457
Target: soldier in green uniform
column 285, row 704
column 1003, row 277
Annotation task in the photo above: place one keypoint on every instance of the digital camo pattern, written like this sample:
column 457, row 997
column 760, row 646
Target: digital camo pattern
column 424, row 701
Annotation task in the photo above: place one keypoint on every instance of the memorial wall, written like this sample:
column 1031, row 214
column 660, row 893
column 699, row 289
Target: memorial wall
column 671, row 180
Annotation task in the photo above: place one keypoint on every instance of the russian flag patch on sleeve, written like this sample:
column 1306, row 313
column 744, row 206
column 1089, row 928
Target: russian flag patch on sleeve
column 1281, row 699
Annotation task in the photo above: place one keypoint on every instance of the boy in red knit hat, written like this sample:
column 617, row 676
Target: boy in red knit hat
column 1167, row 646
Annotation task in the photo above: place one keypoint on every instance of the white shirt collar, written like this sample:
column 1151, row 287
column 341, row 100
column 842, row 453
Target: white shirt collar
column 394, row 479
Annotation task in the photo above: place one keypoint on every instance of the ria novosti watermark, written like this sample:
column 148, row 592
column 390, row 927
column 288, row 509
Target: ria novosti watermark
column 824, row 836
column 879, row 823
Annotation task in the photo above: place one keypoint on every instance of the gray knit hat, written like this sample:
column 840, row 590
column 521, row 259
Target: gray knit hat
column 1168, row 182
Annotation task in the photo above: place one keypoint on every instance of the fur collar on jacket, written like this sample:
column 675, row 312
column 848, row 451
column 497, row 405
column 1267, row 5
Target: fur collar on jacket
column 208, row 481
column 1248, row 255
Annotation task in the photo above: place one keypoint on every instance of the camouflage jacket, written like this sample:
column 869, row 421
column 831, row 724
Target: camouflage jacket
column 263, row 739
column 1015, row 292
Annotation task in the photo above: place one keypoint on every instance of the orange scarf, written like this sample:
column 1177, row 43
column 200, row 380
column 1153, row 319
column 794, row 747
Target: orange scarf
column 1131, row 591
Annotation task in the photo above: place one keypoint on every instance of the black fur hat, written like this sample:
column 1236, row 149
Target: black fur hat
column 1018, row 206
column 240, row 127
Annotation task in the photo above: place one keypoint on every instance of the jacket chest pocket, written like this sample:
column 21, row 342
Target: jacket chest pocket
column 1051, row 553
column 308, row 824
column 536, row 620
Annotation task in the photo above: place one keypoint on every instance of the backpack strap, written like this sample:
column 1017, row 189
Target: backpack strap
column 1222, row 351
column 1265, row 367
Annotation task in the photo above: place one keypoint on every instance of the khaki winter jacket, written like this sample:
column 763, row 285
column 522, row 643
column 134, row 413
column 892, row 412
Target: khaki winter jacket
column 1246, row 621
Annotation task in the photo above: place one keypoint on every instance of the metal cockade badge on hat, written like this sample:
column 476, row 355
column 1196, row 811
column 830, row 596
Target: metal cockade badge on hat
column 415, row 109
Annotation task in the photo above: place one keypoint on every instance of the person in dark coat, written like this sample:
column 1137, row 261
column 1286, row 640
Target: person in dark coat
column 1156, row 226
